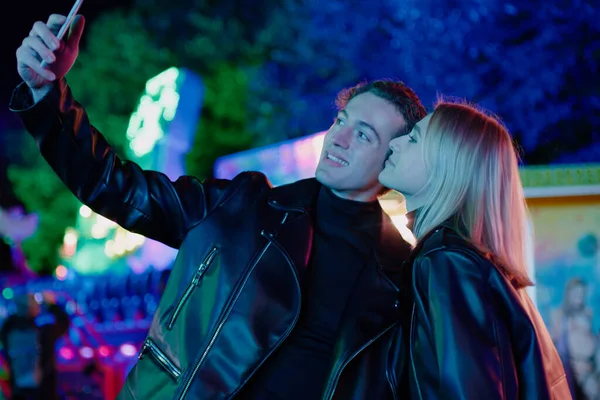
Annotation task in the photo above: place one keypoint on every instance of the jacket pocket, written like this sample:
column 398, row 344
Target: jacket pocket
column 192, row 285
column 150, row 348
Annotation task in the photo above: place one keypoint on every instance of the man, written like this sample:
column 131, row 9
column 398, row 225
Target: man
column 276, row 293
column 28, row 339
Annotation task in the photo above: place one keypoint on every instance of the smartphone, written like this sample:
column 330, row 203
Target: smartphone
column 65, row 28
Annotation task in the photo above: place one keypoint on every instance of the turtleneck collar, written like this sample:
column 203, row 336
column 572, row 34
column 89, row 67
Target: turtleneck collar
column 344, row 213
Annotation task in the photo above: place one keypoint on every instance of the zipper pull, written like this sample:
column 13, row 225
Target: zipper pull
column 203, row 266
column 198, row 274
column 196, row 279
column 143, row 350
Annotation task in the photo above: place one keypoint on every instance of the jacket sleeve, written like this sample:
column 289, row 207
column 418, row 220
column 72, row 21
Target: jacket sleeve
column 144, row 202
column 455, row 330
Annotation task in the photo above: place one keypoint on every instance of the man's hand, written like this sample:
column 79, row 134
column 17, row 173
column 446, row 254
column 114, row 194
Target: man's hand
column 42, row 46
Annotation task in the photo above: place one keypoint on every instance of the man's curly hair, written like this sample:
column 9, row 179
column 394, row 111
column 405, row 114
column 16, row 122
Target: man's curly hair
column 396, row 92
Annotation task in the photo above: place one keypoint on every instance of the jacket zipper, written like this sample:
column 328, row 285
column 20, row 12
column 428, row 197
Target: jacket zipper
column 412, row 360
column 191, row 286
column 275, row 243
column 392, row 386
column 161, row 358
column 343, row 364
column 233, row 300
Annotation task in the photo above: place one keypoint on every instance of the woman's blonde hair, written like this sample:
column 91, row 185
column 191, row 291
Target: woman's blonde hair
column 474, row 182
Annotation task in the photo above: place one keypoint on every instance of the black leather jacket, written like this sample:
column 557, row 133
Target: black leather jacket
column 471, row 334
column 234, row 292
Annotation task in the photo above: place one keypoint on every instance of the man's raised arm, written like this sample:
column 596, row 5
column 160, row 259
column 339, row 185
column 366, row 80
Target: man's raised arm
column 145, row 202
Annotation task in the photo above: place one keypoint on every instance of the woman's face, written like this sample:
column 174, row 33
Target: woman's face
column 405, row 169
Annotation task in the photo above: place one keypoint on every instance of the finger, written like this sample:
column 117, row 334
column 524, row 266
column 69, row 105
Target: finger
column 55, row 22
column 26, row 49
column 41, row 29
column 27, row 59
column 36, row 45
column 75, row 32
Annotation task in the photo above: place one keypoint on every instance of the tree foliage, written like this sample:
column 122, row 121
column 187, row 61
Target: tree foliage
column 533, row 63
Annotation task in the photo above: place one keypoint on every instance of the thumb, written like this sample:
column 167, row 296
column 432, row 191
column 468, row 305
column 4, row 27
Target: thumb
column 75, row 32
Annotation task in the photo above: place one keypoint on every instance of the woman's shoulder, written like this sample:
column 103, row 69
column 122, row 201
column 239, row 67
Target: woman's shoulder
column 446, row 238
column 445, row 247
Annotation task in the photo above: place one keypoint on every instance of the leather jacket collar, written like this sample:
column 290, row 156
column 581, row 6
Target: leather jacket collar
column 301, row 196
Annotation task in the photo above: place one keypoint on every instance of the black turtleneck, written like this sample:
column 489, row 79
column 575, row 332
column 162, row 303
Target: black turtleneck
column 343, row 239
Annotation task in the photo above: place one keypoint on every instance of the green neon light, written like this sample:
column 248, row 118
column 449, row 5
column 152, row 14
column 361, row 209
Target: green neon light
column 157, row 106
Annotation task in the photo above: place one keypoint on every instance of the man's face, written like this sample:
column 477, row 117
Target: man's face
column 356, row 147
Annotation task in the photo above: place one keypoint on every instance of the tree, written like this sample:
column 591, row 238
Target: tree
column 534, row 64
column 226, row 42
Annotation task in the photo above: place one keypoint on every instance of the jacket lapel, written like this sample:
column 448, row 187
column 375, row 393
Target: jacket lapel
column 375, row 303
column 294, row 206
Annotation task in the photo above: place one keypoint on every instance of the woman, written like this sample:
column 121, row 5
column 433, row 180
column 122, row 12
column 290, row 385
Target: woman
column 473, row 332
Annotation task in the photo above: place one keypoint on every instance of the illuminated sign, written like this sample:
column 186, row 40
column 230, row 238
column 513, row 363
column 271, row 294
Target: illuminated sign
column 282, row 163
column 161, row 131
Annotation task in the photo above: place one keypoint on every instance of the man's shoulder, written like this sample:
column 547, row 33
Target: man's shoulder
column 255, row 185
column 245, row 186
column 253, row 181
column 257, row 180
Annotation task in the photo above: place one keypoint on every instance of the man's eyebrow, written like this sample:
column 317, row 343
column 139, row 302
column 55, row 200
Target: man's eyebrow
column 362, row 124
column 366, row 125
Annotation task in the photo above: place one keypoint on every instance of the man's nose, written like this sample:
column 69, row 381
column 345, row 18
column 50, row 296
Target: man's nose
column 343, row 137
